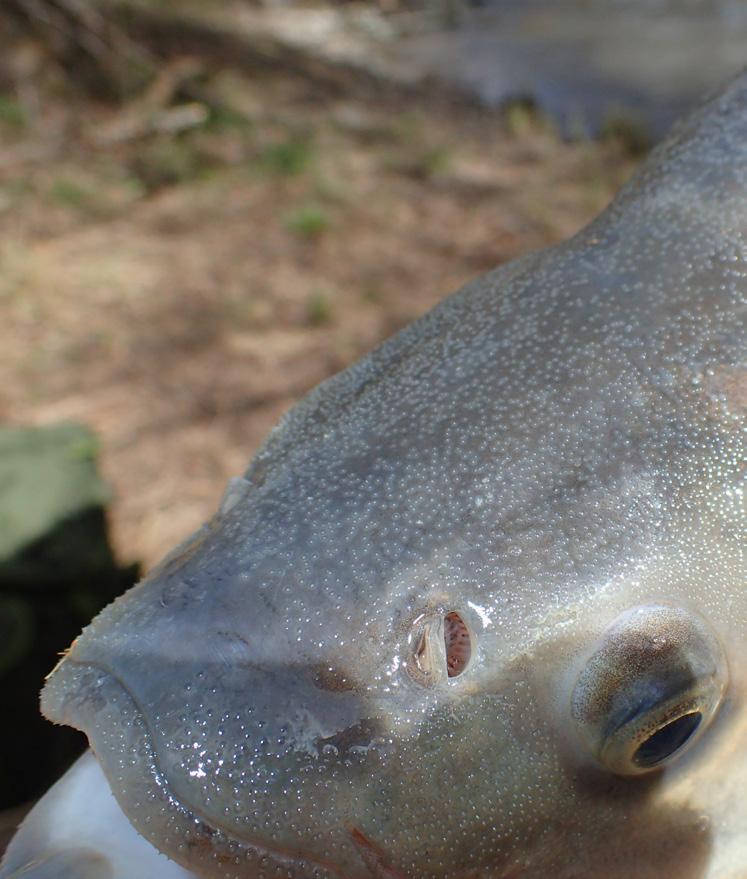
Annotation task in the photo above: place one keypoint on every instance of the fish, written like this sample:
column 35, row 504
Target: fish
column 477, row 609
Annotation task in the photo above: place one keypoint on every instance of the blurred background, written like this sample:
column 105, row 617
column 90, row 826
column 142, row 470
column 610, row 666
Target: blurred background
column 208, row 207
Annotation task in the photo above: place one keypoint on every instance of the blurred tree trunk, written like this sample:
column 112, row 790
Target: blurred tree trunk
column 115, row 48
column 86, row 40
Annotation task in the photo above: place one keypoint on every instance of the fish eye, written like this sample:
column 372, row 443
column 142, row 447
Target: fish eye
column 649, row 690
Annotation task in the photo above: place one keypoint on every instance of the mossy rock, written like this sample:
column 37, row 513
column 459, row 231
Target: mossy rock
column 52, row 503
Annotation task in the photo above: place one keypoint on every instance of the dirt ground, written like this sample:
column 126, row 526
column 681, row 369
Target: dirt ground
column 178, row 292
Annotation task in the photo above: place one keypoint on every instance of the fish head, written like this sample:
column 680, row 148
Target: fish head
column 477, row 609
column 310, row 731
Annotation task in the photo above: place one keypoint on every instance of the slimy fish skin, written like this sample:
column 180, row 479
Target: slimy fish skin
column 478, row 608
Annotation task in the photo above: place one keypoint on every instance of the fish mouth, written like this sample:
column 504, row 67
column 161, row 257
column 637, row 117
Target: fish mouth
column 92, row 699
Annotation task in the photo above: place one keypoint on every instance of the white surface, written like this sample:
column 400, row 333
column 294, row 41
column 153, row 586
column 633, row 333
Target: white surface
column 79, row 824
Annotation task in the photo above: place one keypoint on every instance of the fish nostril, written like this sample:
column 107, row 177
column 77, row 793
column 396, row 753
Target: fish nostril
column 439, row 647
column 458, row 644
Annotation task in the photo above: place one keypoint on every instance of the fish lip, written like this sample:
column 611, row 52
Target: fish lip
column 76, row 694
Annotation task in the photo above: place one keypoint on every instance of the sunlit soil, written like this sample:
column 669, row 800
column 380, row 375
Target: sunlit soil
column 178, row 294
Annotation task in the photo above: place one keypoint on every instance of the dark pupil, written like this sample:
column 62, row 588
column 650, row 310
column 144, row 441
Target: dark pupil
column 667, row 740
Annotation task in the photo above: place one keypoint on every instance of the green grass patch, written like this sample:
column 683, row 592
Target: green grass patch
column 420, row 159
column 319, row 308
column 308, row 221
column 226, row 118
column 372, row 294
column 288, row 159
column 71, row 193
column 431, row 161
column 11, row 112
column 628, row 130
column 166, row 162
column 524, row 118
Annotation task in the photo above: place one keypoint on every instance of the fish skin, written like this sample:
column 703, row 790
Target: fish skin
column 560, row 441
